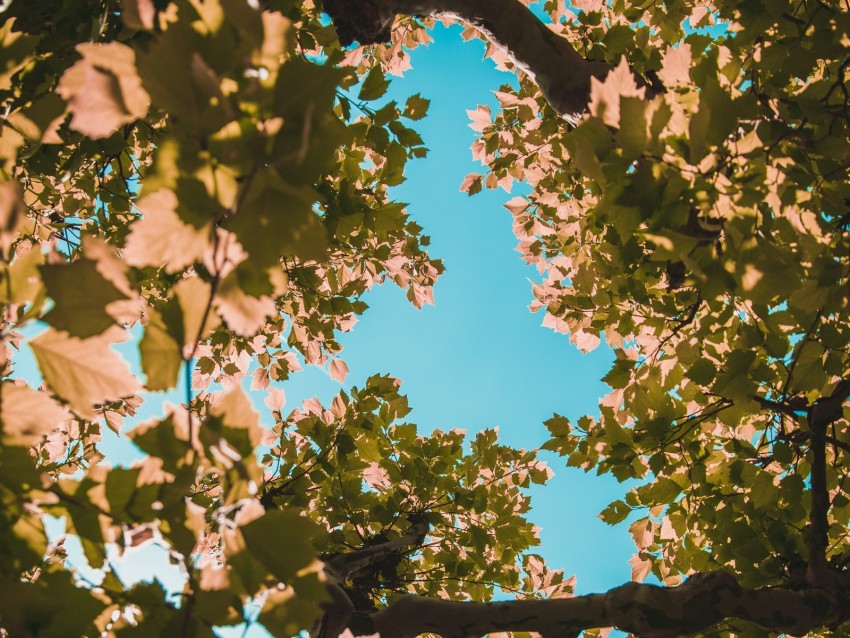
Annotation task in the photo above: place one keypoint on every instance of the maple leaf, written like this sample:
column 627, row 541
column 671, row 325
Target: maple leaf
column 676, row 65
column 235, row 411
column 103, row 90
column 83, row 372
column 161, row 238
column 471, row 184
column 605, row 96
column 275, row 399
column 26, row 415
column 338, row 370
column 243, row 313
column 80, row 315
column 161, row 354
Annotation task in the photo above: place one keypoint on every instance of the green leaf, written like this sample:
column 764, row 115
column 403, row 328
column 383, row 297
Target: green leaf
column 159, row 439
column 161, row 354
column 280, row 540
column 277, row 220
column 632, row 135
column 120, row 485
column 374, row 86
column 615, row 513
column 416, row 107
column 80, row 315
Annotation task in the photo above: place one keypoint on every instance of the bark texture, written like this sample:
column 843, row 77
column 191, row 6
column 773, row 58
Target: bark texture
column 647, row 611
column 561, row 73
column 644, row 610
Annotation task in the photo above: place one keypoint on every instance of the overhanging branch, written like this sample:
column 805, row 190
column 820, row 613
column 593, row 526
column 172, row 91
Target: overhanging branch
column 647, row 611
column 561, row 73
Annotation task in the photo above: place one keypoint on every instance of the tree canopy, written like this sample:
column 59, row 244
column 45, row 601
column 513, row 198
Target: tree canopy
column 210, row 180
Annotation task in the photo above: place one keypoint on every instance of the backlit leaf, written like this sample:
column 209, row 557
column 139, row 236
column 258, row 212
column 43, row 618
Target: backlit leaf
column 83, row 372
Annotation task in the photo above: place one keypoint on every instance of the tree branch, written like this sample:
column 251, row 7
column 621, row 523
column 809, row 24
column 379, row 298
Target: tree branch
column 346, row 565
column 647, row 611
column 561, row 73
column 340, row 610
column 822, row 413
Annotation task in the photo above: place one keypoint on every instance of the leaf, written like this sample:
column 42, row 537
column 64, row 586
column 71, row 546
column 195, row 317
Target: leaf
column 615, row 513
column 471, row 184
column 181, row 81
column 161, row 354
column 275, row 399
column 21, row 282
column 243, row 313
column 280, row 540
column 103, row 90
column 236, row 413
column 605, row 96
column 17, row 48
column 338, row 370
column 39, row 121
column 288, row 613
column 26, row 415
column 416, row 107
column 374, row 86
column 158, row 438
column 83, row 372
column 633, row 133
column 138, row 14
column 80, row 315
column 12, row 215
column 160, row 238
column 120, row 486
column 676, row 65
column 278, row 220
column 194, row 299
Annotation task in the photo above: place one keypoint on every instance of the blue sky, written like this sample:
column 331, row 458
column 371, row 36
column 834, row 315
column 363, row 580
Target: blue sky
column 478, row 358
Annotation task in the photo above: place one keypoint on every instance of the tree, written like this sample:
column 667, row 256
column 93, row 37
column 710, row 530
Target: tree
column 210, row 178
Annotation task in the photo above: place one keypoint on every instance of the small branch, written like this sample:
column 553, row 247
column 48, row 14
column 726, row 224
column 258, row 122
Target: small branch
column 779, row 407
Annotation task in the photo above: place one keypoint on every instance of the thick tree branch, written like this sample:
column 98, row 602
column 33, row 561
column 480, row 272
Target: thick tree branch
column 647, row 611
column 344, row 566
column 340, row 609
column 561, row 73
column 822, row 413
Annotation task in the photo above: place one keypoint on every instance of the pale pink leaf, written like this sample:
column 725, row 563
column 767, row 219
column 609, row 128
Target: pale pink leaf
column 605, row 96
column 471, row 184
column 376, row 476
column 275, row 399
column 27, row 415
column 640, row 568
column 244, row 314
column 338, row 370
column 676, row 66
column 103, row 90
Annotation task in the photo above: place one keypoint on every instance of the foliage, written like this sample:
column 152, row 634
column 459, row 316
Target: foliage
column 211, row 180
